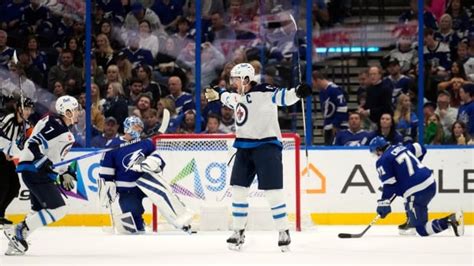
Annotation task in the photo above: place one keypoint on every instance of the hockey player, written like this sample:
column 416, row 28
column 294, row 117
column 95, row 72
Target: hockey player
column 13, row 128
column 259, row 146
column 402, row 174
column 48, row 144
column 133, row 172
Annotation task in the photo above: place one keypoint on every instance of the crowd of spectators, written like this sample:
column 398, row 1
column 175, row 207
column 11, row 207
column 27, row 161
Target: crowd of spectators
column 143, row 61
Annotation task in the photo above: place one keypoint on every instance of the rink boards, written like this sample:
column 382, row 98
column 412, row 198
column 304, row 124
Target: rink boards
column 341, row 188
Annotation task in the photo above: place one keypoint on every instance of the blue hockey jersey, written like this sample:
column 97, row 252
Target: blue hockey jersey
column 466, row 115
column 333, row 107
column 115, row 165
column 352, row 139
column 399, row 86
column 401, row 171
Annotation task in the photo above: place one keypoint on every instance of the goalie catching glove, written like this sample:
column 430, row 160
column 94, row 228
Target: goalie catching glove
column 153, row 164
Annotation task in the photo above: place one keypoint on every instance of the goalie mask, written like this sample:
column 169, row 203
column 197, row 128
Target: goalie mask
column 133, row 126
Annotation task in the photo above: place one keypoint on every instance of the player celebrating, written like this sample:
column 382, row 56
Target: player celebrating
column 133, row 171
column 259, row 146
column 48, row 144
column 13, row 129
column 402, row 174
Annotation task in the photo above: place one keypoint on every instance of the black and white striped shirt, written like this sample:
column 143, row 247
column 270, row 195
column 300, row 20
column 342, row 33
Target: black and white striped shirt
column 10, row 129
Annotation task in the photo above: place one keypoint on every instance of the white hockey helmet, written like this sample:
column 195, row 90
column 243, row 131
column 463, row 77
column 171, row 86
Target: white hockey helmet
column 65, row 103
column 243, row 71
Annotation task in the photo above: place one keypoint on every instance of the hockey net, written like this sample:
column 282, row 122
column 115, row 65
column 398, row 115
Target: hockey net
column 198, row 168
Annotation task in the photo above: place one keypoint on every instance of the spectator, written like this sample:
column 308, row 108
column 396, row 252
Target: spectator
column 143, row 73
column 354, row 135
column 400, row 83
column 405, row 119
column 113, row 75
column 59, row 89
column 166, row 63
column 406, row 55
column 36, row 20
column 459, row 135
column 151, row 122
column 219, row 29
column 189, row 122
column 38, row 58
column 466, row 60
column 386, row 129
column 446, row 113
column 379, row 97
column 147, row 40
column 106, row 27
column 31, row 71
column 183, row 36
column 333, row 106
column 457, row 73
column 437, row 54
column 97, row 73
column 115, row 104
column 411, row 15
column 364, row 83
column 213, row 124
column 227, row 120
column 110, row 132
column 136, row 90
column 6, row 53
column 143, row 104
column 11, row 87
column 211, row 61
column 135, row 54
column 428, row 110
column 169, row 12
column 466, row 110
column 125, row 67
column 434, row 130
column 76, row 50
column 104, row 53
column 208, row 108
column 138, row 13
column 67, row 73
column 11, row 15
column 459, row 15
column 446, row 34
column 183, row 100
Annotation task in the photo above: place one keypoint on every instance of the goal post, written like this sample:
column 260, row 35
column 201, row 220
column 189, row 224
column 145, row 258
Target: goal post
column 198, row 168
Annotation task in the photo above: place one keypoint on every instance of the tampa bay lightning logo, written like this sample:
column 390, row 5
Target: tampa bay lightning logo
column 241, row 113
column 132, row 158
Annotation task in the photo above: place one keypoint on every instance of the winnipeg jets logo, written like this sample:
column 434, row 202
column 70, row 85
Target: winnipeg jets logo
column 241, row 113
column 132, row 158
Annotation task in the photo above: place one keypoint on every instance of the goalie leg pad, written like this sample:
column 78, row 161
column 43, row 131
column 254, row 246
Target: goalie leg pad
column 125, row 224
column 240, row 207
column 131, row 202
column 276, row 200
column 161, row 194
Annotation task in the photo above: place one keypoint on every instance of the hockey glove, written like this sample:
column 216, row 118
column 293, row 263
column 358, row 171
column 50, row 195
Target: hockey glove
column 107, row 192
column 153, row 164
column 67, row 180
column 303, row 90
column 212, row 94
column 383, row 208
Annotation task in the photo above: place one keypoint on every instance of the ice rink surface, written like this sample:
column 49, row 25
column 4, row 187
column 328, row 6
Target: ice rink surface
column 321, row 246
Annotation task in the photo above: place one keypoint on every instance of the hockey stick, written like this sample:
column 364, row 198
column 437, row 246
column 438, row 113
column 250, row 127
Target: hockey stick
column 164, row 126
column 347, row 235
column 302, row 99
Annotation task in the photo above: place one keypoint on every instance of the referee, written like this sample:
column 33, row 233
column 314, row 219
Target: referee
column 13, row 128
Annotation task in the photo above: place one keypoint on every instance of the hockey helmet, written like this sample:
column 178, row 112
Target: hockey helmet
column 128, row 126
column 243, row 71
column 378, row 143
column 65, row 103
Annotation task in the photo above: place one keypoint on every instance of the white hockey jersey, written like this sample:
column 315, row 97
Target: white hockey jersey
column 256, row 114
column 50, row 139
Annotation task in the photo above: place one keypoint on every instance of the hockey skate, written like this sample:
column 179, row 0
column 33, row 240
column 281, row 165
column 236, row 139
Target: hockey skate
column 406, row 229
column 13, row 251
column 5, row 223
column 17, row 237
column 284, row 240
column 236, row 240
column 456, row 221
column 188, row 229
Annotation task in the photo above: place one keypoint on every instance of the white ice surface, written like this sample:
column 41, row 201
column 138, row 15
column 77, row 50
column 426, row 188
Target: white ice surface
column 381, row 245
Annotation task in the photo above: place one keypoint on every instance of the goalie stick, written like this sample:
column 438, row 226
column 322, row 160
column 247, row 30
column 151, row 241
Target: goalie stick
column 164, row 126
column 347, row 235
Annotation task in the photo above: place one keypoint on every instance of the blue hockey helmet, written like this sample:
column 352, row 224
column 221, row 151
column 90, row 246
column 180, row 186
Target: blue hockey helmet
column 378, row 143
column 129, row 126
